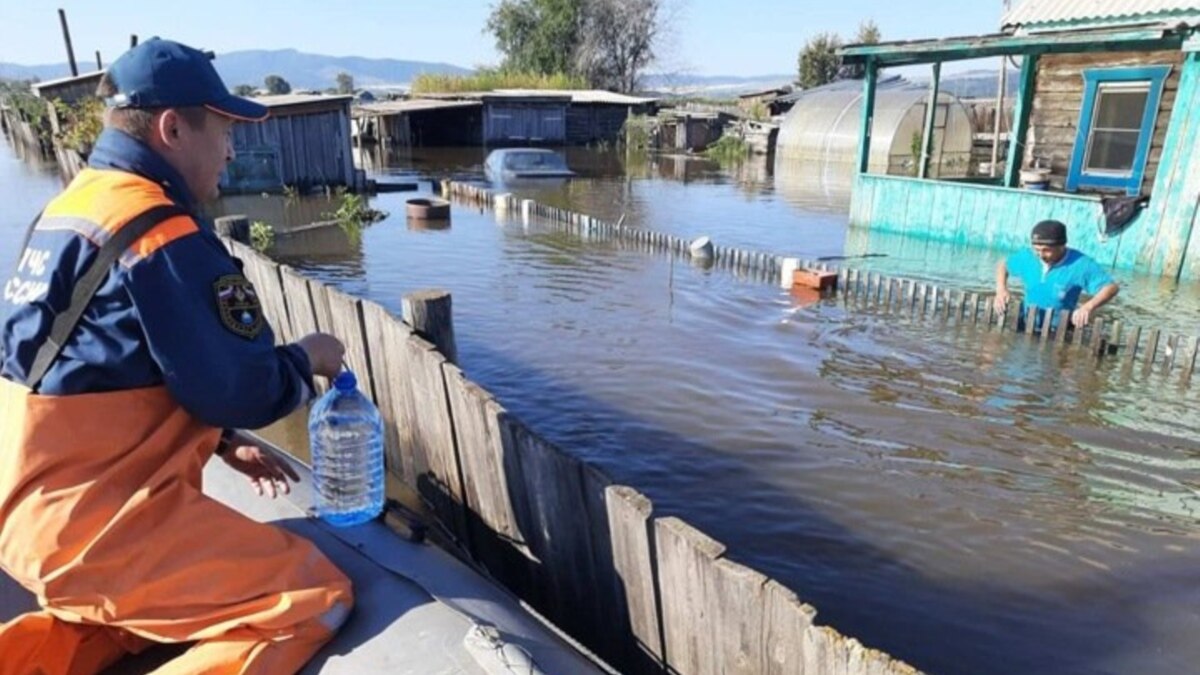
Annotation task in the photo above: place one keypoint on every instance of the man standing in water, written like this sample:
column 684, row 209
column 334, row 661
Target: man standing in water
column 1055, row 276
column 130, row 340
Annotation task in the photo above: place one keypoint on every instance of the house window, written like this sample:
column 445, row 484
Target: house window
column 1116, row 125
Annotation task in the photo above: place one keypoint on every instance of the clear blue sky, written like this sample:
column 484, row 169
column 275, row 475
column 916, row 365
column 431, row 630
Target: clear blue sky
column 710, row 37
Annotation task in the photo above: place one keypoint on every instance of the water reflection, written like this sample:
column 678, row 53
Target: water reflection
column 320, row 244
column 28, row 181
column 281, row 212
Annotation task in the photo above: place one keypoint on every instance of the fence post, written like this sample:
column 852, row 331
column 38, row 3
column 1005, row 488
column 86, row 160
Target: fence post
column 236, row 228
column 430, row 314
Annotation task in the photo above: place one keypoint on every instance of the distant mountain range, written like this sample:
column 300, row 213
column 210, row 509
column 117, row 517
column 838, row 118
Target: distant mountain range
column 301, row 70
column 976, row 83
column 315, row 71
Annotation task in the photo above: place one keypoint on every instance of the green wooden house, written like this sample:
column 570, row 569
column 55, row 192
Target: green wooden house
column 1108, row 108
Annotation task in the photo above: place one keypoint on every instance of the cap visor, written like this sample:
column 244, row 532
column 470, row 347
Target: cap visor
column 240, row 109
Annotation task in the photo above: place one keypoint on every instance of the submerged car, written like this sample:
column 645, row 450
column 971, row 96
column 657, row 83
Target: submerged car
column 525, row 163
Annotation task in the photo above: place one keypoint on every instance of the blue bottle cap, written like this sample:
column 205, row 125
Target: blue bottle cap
column 345, row 381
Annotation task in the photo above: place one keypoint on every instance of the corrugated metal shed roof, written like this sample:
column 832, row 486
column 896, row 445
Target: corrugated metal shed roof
column 576, row 95
column 414, row 105
column 284, row 100
column 580, row 95
column 1059, row 13
column 68, row 80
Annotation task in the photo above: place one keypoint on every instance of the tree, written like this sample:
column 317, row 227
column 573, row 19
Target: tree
column 609, row 42
column 276, row 85
column 619, row 40
column 243, row 90
column 819, row 63
column 345, row 83
column 537, row 36
column 868, row 34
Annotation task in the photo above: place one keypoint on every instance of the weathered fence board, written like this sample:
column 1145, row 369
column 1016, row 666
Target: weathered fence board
column 389, row 372
column 785, row 621
column 687, row 576
column 557, row 530
column 493, row 485
column 346, row 322
column 429, row 421
column 633, row 556
column 1190, row 365
column 322, row 314
column 299, row 303
column 740, row 595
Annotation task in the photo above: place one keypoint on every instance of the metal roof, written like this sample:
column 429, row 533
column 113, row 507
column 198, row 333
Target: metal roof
column 1060, row 13
column 1042, row 41
column 412, row 105
column 284, row 100
column 578, row 96
column 68, row 80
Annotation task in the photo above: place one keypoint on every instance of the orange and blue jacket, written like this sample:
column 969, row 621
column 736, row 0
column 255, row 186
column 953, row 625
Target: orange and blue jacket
column 158, row 317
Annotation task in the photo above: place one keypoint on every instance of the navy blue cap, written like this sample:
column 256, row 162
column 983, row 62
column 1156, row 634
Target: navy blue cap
column 1049, row 233
column 165, row 74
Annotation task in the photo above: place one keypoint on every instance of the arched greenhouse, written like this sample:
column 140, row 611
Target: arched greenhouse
column 820, row 132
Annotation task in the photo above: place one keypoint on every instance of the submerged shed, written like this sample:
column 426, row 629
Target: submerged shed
column 822, row 129
column 69, row 90
column 305, row 143
column 529, row 116
column 419, row 123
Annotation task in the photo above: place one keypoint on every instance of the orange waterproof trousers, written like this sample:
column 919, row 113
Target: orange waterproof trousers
column 103, row 519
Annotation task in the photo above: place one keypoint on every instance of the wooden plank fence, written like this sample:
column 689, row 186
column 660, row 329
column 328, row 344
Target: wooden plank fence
column 649, row 595
column 1159, row 354
column 1170, row 356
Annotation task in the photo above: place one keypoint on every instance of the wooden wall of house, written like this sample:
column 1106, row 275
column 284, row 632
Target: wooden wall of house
column 395, row 131
column 309, row 150
column 520, row 122
column 588, row 123
column 1054, row 122
column 71, row 91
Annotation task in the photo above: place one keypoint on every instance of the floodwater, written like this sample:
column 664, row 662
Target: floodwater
column 964, row 501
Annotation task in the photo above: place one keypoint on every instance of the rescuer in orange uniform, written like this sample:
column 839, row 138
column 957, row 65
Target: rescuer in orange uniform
column 130, row 341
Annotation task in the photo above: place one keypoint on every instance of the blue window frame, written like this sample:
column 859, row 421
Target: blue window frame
column 1116, row 126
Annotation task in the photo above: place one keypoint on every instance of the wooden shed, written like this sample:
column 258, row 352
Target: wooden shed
column 545, row 116
column 525, row 118
column 1108, row 108
column 769, row 101
column 419, row 123
column 69, row 90
column 305, row 143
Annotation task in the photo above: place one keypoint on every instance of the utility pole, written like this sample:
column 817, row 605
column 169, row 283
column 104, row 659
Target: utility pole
column 1000, row 92
column 62, row 19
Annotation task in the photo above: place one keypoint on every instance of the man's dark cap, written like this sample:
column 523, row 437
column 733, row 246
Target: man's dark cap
column 1049, row 233
column 165, row 74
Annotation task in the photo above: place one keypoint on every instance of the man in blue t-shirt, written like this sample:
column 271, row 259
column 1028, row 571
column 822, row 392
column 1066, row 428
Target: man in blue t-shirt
column 1054, row 276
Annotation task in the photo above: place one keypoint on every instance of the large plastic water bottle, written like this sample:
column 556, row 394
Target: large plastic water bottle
column 346, row 434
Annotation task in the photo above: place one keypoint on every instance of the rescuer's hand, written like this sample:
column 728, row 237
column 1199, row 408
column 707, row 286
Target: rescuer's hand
column 325, row 353
column 268, row 474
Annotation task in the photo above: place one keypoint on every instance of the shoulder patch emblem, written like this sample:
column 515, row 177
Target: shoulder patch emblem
column 238, row 305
